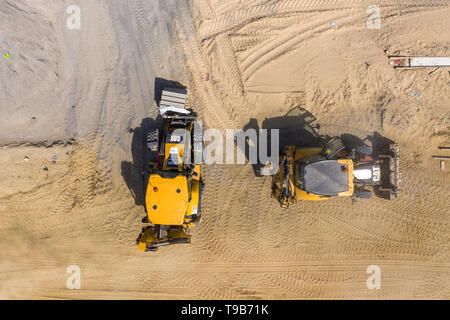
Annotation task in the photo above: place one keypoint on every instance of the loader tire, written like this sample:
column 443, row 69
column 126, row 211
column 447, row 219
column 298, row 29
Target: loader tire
column 152, row 143
column 200, row 200
column 363, row 149
column 152, row 136
column 199, row 148
column 362, row 194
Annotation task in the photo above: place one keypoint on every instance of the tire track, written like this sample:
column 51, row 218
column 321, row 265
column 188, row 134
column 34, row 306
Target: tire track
column 146, row 33
column 203, row 91
column 274, row 49
column 240, row 17
column 228, row 60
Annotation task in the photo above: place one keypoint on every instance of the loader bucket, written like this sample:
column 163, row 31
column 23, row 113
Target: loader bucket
column 390, row 173
column 148, row 239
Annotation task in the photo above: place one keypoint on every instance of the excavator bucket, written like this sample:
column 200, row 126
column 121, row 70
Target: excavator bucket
column 390, row 173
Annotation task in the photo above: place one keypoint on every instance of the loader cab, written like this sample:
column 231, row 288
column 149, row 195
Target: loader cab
column 318, row 178
column 177, row 141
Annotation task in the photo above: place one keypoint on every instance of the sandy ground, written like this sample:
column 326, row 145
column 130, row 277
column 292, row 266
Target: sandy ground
column 73, row 104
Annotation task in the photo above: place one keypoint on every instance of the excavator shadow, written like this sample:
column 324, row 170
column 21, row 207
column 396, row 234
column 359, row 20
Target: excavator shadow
column 161, row 83
column 298, row 128
column 132, row 171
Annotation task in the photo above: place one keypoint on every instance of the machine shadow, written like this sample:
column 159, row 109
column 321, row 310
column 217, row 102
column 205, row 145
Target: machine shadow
column 298, row 127
column 161, row 83
column 133, row 172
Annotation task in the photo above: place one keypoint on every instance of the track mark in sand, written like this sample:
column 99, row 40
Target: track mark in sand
column 294, row 266
column 213, row 179
column 147, row 32
column 228, row 57
column 273, row 49
column 289, row 32
column 261, row 212
column 242, row 43
column 205, row 91
column 216, row 218
column 239, row 218
column 95, row 110
column 83, row 183
column 204, row 8
column 240, row 17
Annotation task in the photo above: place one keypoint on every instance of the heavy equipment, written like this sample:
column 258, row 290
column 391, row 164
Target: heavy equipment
column 333, row 170
column 174, row 182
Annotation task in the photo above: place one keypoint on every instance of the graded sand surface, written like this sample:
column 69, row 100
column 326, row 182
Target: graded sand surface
column 74, row 104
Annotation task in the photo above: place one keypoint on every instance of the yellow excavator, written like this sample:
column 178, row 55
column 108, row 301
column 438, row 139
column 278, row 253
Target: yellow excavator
column 334, row 170
column 174, row 184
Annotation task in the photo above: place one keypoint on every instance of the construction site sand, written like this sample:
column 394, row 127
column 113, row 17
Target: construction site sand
column 73, row 103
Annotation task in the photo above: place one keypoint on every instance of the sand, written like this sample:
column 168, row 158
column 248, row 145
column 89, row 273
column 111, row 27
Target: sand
column 73, row 104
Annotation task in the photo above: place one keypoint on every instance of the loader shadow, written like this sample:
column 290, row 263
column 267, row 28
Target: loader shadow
column 297, row 128
column 300, row 128
column 133, row 172
column 161, row 83
column 378, row 143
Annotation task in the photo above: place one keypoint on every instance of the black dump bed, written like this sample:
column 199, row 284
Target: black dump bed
column 326, row 178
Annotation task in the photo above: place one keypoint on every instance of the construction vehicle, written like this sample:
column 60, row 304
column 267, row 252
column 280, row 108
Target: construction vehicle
column 334, row 170
column 174, row 184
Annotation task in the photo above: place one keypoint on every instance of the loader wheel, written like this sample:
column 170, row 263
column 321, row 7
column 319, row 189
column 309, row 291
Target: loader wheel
column 152, row 136
column 362, row 194
column 198, row 137
column 200, row 199
column 202, row 174
column 199, row 148
column 152, row 145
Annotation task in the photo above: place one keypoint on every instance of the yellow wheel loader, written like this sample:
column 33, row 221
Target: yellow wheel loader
column 334, row 170
column 174, row 184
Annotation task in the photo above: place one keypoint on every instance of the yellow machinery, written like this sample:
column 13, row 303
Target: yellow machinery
column 174, row 185
column 320, row 173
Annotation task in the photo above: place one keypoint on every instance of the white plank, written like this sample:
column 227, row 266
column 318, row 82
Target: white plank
column 430, row 62
column 174, row 92
column 170, row 98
